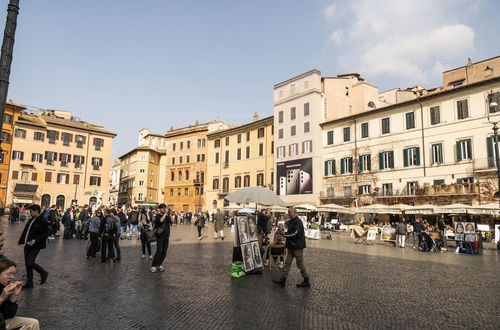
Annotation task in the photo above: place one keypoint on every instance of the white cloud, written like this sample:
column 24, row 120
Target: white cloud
column 400, row 40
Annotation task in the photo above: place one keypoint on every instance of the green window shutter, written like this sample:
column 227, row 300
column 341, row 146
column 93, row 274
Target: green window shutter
column 380, row 160
column 459, row 180
column 391, row 159
column 417, row 152
column 405, row 157
column 369, row 163
column 459, row 152
column 360, row 163
column 342, row 166
column 491, row 154
column 326, row 167
column 334, row 168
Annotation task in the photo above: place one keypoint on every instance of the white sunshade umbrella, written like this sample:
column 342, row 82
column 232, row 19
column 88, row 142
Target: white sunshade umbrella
column 258, row 195
column 452, row 208
column 421, row 209
column 379, row 209
column 490, row 209
column 307, row 207
column 334, row 208
column 276, row 208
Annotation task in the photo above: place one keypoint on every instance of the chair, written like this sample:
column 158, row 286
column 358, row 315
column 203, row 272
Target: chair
column 276, row 250
column 361, row 237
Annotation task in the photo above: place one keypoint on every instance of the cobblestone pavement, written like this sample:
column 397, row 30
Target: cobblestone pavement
column 399, row 288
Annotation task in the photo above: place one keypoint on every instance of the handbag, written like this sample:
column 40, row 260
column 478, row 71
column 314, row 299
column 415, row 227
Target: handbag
column 150, row 236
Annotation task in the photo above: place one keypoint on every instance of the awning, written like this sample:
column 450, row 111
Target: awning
column 25, row 188
column 22, row 201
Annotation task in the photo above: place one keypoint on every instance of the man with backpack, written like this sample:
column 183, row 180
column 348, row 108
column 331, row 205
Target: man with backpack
column 133, row 222
column 123, row 222
column 109, row 229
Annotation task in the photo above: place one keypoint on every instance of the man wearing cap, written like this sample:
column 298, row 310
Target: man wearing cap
column 295, row 245
column 162, row 228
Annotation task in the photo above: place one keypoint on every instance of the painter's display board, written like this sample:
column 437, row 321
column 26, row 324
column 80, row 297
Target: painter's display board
column 245, row 235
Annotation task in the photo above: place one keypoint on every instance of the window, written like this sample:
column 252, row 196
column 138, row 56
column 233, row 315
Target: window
column 329, row 138
column 464, row 150
column 293, row 130
column 239, row 138
column 140, row 196
column 95, row 181
column 346, row 165
column 462, row 109
column 216, row 158
column 187, row 159
column 225, row 185
column 171, row 192
column 143, row 157
column 411, row 187
column 172, row 176
column 173, row 146
column 365, row 189
column 173, row 160
column 293, row 114
column 7, row 118
column 78, row 160
column 411, row 156
column 261, row 149
column 52, row 136
column 17, row 155
column 188, row 144
column 292, row 89
column 246, row 181
column 226, row 157
column 186, row 191
column 50, row 157
column 347, row 134
column 48, row 176
column 96, row 163
column 179, row 175
column 67, row 138
column 215, row 184
column 62, row 178
column 260, row 179
column 5, row 137
column 438, row 182
column 280, row 117
column 281, row 152
column 180, row 159
column 237, row 181
column 15, row 175
column 386, row 160
column 178, row 191
column 306, row 127
column 410, row 120
column 76, row 179
column 365, row 163
column 227, row 140
column 260, row 132
column 142, row 170
column 187, row 174
column 387, row 189
column 181, row 145
column 306, row 109
column 330, row 167
column 437, row 153
column 347, row 191
column 248, row 136
column 492, row 150
column 64, row 159
column 364, row 130
column 386, row 126
column 238, row 154
column 38, row 136
column 494, row 97
column 294, row 149
column 280, row 133
column 307, row 146
column 20, row 133
column 141, row 183
column 37, row 158
column 435, row 114
column 248, row 152
column 466, row 180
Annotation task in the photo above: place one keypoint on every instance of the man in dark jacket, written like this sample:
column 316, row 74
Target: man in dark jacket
column 418, row 227
column 34, row 238
column 295, row 245
column 162, row 228
column 133, row 222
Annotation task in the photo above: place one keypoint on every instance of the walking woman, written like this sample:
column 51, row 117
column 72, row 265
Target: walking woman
column 145, row 225
column 200, row 223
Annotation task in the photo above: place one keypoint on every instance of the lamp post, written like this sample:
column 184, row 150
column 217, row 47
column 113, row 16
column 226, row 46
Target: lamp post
column 494, row 105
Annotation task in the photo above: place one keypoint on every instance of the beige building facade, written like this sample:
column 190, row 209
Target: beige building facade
column 239, row 157
column 436, row 148
column 58, row 160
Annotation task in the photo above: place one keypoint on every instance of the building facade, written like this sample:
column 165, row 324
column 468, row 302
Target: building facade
column 57, row 159
column 10, row 116
column 186, row 165
column 239, row 157
column 114, row 183
column 436, row 148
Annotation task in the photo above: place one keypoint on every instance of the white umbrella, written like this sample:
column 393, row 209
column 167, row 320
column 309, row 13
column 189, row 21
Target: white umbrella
column 257, row 195
column 490, row 209
column 452, row 208
column 276, row 208
column 379, row 209
column 421, row 209
column 334, row 208
column 307, row 207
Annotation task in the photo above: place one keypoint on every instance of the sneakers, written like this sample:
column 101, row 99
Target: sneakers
column 150, row 257
column 200, row 237
column 143, row 256
column 161, row 269
column 153, row 270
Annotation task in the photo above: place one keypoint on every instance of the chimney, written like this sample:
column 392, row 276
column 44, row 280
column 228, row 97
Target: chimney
column 255, row 116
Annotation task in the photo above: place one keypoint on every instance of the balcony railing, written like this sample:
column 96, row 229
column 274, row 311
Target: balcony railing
column 198, row 182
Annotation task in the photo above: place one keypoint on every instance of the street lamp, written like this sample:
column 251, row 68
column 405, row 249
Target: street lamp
column 494, row 105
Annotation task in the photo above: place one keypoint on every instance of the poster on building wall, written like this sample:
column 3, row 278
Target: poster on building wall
column 295, row 177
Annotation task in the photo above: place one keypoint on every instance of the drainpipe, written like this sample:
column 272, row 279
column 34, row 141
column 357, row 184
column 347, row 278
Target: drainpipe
column 422, row 133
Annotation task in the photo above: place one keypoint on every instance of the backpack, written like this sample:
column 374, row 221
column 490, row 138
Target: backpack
column 79, row 215
column 110, row 226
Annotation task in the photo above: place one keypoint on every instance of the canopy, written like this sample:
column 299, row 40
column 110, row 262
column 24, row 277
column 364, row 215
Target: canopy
column 380, row 209
column 334, row 208
column 246, row 210
column 452, row 208
column 307, row 207
column 420, row 209
column 276, row 208
column 257, row 195
column 232, row 208
column 489, row 209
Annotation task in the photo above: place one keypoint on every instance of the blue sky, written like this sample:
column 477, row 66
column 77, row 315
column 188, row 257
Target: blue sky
column 128, row 64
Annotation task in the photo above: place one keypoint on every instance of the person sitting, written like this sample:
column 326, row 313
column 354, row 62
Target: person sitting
column 10, row 290
column 277, row 249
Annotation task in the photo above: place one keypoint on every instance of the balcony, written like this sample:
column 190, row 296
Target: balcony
column 64, row 164
column 49, row 162
column 198, row 182
column 223, row 193
column 226, row 164
column 96, row 167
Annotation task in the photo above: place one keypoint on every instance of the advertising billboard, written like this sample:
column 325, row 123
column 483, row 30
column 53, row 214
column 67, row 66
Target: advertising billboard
column 295, row 177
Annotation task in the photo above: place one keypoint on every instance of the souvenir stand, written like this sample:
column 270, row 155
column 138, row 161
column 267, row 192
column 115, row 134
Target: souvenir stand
column 387, row 235
column 329, row 226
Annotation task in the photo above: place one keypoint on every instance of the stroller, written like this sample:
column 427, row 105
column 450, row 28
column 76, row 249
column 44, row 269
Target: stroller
column 429, row 244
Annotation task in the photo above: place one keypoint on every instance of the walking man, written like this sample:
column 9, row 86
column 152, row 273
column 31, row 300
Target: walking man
column 133, row 222
column 162, row 228
column 295, row 245
column 401, row 234
column 34, row 238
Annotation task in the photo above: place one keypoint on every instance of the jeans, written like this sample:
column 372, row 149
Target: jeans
column 299, row 255
column 161, row 251
column 116, row 243
column 416, row 240
column 94, row 244
column 132, row 227
column 30, row 258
